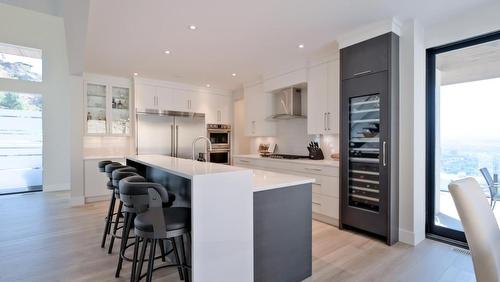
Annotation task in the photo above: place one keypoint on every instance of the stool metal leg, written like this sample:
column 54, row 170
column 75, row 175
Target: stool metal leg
column 184, row 260
column 134, row 259
column 162, row 250
column 141, row 259
column 109, row 218
column 177, row 259
column 123, row 245
column 117, row 219
column 152, row 251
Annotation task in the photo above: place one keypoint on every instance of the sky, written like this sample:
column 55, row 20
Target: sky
column 470, row 111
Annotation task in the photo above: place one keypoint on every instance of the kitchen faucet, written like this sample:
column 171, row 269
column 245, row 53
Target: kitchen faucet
column 209, row 145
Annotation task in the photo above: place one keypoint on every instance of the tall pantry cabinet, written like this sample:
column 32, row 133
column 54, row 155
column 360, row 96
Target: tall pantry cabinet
column 369, row 136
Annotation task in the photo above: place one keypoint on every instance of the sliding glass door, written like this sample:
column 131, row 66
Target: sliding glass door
column 463, row 120
column 20, row 142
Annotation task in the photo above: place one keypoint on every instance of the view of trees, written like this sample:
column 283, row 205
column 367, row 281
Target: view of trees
column 19, row 101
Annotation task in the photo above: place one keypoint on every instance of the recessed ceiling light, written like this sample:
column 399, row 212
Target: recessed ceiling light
column 192, row 27
column 208, row 85
column 233, row 74
column 301, row 46
column 167, row 52
column 136, row 74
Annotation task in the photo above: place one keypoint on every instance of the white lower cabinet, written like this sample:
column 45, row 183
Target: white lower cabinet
column 95, row 181
column 325, row 190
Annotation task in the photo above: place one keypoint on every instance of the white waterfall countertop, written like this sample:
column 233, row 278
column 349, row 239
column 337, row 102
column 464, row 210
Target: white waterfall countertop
column 265, row 180
column 261, row 180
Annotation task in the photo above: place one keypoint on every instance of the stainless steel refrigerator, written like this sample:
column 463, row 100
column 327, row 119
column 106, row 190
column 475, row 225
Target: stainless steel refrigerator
column 170, row 133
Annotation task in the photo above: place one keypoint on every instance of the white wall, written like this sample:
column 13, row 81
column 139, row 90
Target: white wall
column 473, row 22
column 27, row 28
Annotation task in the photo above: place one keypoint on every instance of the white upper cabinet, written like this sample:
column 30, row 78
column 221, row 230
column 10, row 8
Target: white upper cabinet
column 258, row 107
column 161, row 96
column 217, row 108
column 323, row 98
column 333, row 98
column 186, row 101
column 145, row 97
column 164, row 98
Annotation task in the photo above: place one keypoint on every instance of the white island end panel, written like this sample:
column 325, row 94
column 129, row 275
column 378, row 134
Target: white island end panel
column 222, row 226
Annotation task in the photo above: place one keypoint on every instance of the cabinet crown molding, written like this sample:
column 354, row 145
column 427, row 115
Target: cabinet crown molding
column 180, row 86
column 369, row 31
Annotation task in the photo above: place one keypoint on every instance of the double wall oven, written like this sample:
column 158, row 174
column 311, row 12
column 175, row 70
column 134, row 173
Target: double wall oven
column 220, row 136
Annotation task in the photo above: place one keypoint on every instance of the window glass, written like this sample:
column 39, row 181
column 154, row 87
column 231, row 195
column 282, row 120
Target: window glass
column 23, row 63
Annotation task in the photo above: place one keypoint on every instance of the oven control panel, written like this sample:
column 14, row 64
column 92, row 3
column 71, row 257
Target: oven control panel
column 218, row 126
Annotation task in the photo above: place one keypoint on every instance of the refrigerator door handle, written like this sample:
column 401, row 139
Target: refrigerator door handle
column 172, row 144
column 176, row 140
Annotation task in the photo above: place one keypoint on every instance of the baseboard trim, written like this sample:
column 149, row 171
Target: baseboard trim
column 96, row 199
column 56, row 187
column 409, row 237
column 325, row 219
column 77, row 201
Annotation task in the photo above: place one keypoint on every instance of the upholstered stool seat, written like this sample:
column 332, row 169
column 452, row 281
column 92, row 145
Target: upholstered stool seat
column 175, row 218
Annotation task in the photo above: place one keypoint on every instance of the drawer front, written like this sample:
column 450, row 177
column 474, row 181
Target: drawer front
column 366, row 57
column 330, row 186
column 330, row 206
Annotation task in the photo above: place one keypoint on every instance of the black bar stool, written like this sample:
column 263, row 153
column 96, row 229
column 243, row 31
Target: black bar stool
column 119, row 213
column 159, row 224
column 109, row 217
column 134, row 195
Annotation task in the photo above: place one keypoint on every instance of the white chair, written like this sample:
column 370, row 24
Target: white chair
column 480, row 226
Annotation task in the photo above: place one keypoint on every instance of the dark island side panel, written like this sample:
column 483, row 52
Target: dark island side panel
column 283, row 234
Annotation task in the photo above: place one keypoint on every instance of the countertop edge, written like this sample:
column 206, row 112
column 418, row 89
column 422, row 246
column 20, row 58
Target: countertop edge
column 333, row 163
column 268, row 187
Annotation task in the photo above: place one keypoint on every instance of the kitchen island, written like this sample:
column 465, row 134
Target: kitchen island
column 247, row 225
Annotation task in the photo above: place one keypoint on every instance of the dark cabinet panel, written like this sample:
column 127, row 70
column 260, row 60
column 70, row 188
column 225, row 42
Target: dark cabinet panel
column 364, row 58
column 368, row 147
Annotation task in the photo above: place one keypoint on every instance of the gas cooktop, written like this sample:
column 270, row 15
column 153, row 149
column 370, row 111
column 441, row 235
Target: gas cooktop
column 285, row 156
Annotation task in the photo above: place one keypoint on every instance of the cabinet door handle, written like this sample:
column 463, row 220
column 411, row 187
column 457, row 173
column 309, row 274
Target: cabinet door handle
column 176, row 141
column 324, row 121
column 384, row 161
column 219, row 116
column 361, row 73
column 172, row 144
column 243, row 161
column 328, row 120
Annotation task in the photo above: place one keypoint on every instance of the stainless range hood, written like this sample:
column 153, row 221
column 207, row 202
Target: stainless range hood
column 287, row 104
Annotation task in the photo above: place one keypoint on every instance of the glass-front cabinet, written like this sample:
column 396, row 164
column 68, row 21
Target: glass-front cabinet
column 107, row 109
column 120, row 110
column 364, row 152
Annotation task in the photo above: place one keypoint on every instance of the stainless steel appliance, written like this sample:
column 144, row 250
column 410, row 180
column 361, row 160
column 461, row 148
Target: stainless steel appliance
column 220, row 156
column 288, row 103
column 169, row 133
column 220, row 136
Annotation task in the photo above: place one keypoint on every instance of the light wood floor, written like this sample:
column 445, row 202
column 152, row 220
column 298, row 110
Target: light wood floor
column 42, row 238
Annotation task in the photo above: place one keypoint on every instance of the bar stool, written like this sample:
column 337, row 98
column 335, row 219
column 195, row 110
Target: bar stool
column 159, row 224
column 134, row 195
column 114, row 182
column 109, row 217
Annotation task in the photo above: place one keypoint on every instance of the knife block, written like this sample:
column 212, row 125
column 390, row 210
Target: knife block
column 316, row 154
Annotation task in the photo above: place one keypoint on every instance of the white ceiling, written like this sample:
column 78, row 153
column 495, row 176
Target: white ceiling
column 233, row 36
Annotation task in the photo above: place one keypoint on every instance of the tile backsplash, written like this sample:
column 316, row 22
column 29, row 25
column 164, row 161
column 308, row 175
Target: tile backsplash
column 291, row 138
column 96, row 146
